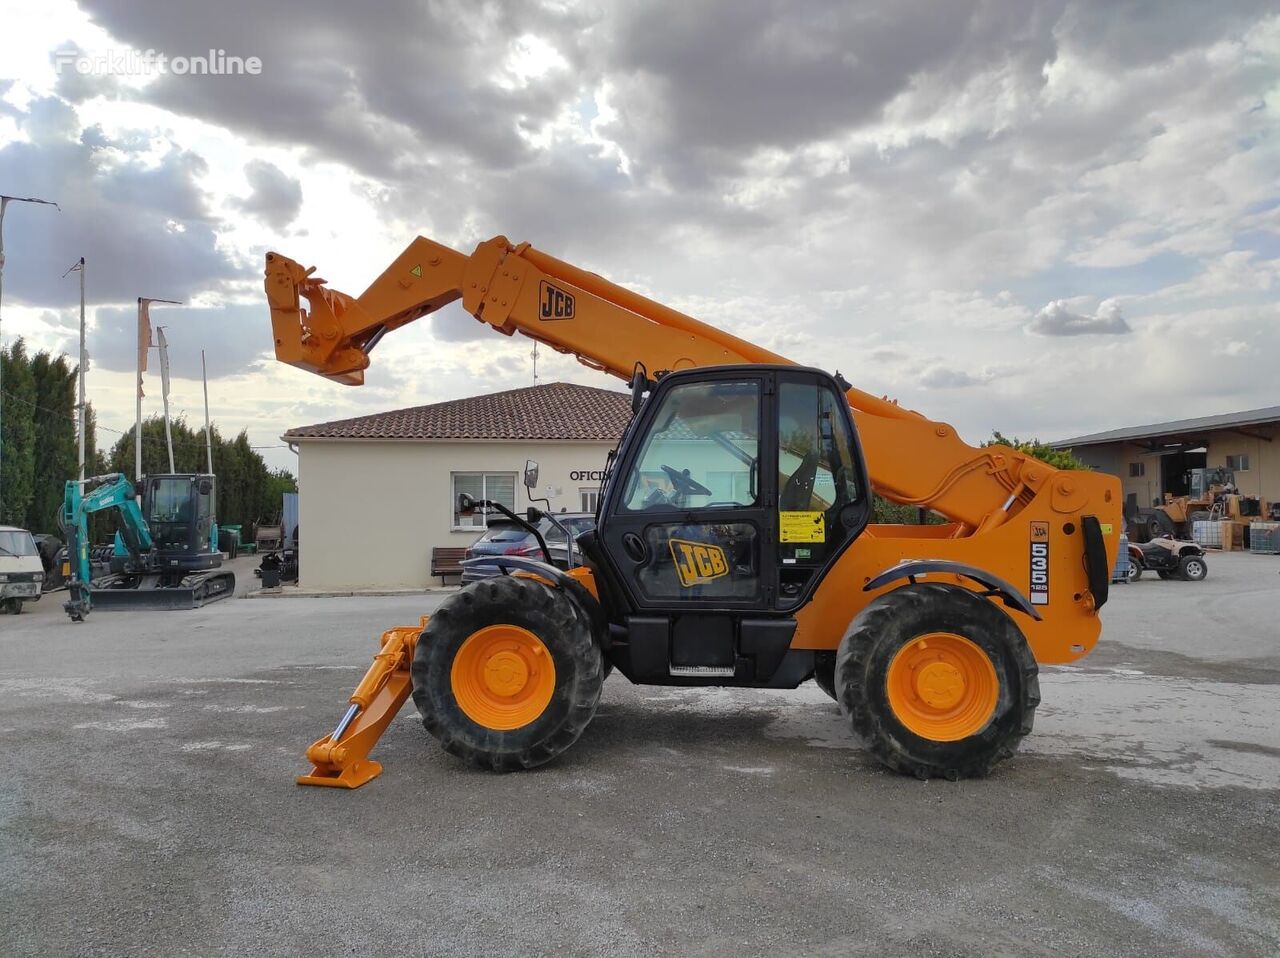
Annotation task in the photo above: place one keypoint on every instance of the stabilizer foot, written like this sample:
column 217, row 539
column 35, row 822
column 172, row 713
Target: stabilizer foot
column 353, row 776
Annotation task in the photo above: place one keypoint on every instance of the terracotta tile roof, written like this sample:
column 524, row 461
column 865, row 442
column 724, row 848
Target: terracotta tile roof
column 553, row 411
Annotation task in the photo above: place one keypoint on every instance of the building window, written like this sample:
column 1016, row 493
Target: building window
column 498, row 486
column 1137, row 470
column 590, row 499
column 1238, row 463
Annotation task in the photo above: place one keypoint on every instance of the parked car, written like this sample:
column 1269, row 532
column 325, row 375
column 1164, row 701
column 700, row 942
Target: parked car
column 1168, row 558
column 21, row 571
column 504, row 537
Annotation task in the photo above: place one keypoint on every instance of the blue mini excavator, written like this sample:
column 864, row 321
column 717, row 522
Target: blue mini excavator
column 165, row 554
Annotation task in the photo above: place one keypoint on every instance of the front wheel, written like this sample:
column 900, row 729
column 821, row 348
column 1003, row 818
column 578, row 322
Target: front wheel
column 937, row 682
column 1135, row 571
column 1193, row 568
column 507, row 673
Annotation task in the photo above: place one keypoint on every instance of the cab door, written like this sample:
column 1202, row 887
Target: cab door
column 688, row 515
column 735, row 492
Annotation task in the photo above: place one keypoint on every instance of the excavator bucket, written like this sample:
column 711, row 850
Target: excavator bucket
column 341, row 758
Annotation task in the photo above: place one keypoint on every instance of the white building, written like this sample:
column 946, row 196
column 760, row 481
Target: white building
column 377, row 493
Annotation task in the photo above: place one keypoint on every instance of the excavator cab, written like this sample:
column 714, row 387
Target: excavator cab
column 732, row 495
column 180, row 512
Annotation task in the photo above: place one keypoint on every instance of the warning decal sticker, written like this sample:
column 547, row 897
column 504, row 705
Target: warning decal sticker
column 1039, row 563
column 802, row 527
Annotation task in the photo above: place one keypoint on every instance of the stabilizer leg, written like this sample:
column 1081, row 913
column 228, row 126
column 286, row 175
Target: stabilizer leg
column 341, row 758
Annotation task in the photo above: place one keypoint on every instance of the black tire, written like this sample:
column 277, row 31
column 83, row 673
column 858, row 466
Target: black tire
column 824, row 672
column 1135, row 570
column 893, row 621
column 1193, row 568
column 562, row 627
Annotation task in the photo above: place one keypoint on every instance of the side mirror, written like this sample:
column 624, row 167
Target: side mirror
column 205, row 487
column 533, row 515
column 466, row 504
column 530, row 474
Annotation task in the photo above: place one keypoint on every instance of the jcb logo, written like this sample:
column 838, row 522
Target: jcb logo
column 697, row 562
column 554, row 303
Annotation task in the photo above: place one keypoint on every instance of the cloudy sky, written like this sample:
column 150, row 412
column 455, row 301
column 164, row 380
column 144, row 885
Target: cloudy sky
column 1043, row 217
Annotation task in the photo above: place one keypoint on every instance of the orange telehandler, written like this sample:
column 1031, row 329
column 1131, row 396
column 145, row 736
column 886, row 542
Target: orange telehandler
column 734, row 545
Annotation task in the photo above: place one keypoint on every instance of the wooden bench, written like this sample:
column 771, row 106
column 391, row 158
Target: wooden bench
column 447, row 560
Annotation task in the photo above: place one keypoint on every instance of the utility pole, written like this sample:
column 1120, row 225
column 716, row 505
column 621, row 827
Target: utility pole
column 208, row 435
column 4, row 204
column 144, row 343
column 84, row 362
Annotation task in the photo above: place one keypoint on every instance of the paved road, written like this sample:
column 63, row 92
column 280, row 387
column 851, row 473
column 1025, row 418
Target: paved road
column 147, row 804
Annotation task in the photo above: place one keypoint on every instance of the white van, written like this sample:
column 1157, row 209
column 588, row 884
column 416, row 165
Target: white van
column 21, row 571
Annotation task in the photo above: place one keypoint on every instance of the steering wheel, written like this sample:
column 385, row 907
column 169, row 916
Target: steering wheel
column 684, row 484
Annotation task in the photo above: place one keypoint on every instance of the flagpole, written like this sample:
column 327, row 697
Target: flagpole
column 84, row 362
column 142, row 364
column 144, row 343
column 208, row 435
column 164, row 392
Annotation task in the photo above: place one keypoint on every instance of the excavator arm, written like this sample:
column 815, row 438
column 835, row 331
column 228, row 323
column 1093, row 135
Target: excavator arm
column 97, row 494
column 517, row 288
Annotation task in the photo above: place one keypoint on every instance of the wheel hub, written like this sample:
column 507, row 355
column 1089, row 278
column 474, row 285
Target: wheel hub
column 940, row 684
column 503, row 677
column 942, row 687
column 506, row 673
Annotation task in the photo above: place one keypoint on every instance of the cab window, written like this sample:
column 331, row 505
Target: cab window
column 702, row 451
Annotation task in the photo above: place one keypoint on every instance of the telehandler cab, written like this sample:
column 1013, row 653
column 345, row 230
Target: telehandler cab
column 734, row 545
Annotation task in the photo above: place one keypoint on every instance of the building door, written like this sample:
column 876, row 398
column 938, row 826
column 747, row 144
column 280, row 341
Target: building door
column 1173, row 471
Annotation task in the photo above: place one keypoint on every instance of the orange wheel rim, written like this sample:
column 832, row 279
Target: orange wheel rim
column 943, row 687
column 503, row 677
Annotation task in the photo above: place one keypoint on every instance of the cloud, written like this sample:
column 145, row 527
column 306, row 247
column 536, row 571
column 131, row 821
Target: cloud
column 236, row 338
column 132, row 205
column 1058, row 319
column 942, row 377
column 276, row 197
column 887, row 188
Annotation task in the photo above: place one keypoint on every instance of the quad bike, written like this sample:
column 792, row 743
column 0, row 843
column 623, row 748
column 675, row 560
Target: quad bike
column 1168, row 558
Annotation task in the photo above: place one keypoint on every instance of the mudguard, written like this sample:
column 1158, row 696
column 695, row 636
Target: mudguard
column 910, row 569
column 561, row 579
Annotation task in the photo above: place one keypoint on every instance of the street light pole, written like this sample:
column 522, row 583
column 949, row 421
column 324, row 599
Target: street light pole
column 78, row 267
column 4, row 204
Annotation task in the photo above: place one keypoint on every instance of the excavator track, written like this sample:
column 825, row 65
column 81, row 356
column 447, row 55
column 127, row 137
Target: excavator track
column 200, row 588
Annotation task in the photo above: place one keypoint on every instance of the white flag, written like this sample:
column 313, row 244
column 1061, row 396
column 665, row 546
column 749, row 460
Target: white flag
column 164, row 362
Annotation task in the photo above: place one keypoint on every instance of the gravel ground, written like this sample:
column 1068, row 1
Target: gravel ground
column 148, row 805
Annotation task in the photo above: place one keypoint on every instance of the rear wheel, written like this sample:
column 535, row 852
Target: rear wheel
column 937, row 682
column 507, row 673
column 1135, row 571
column 824, row 672
column 1193, row 568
